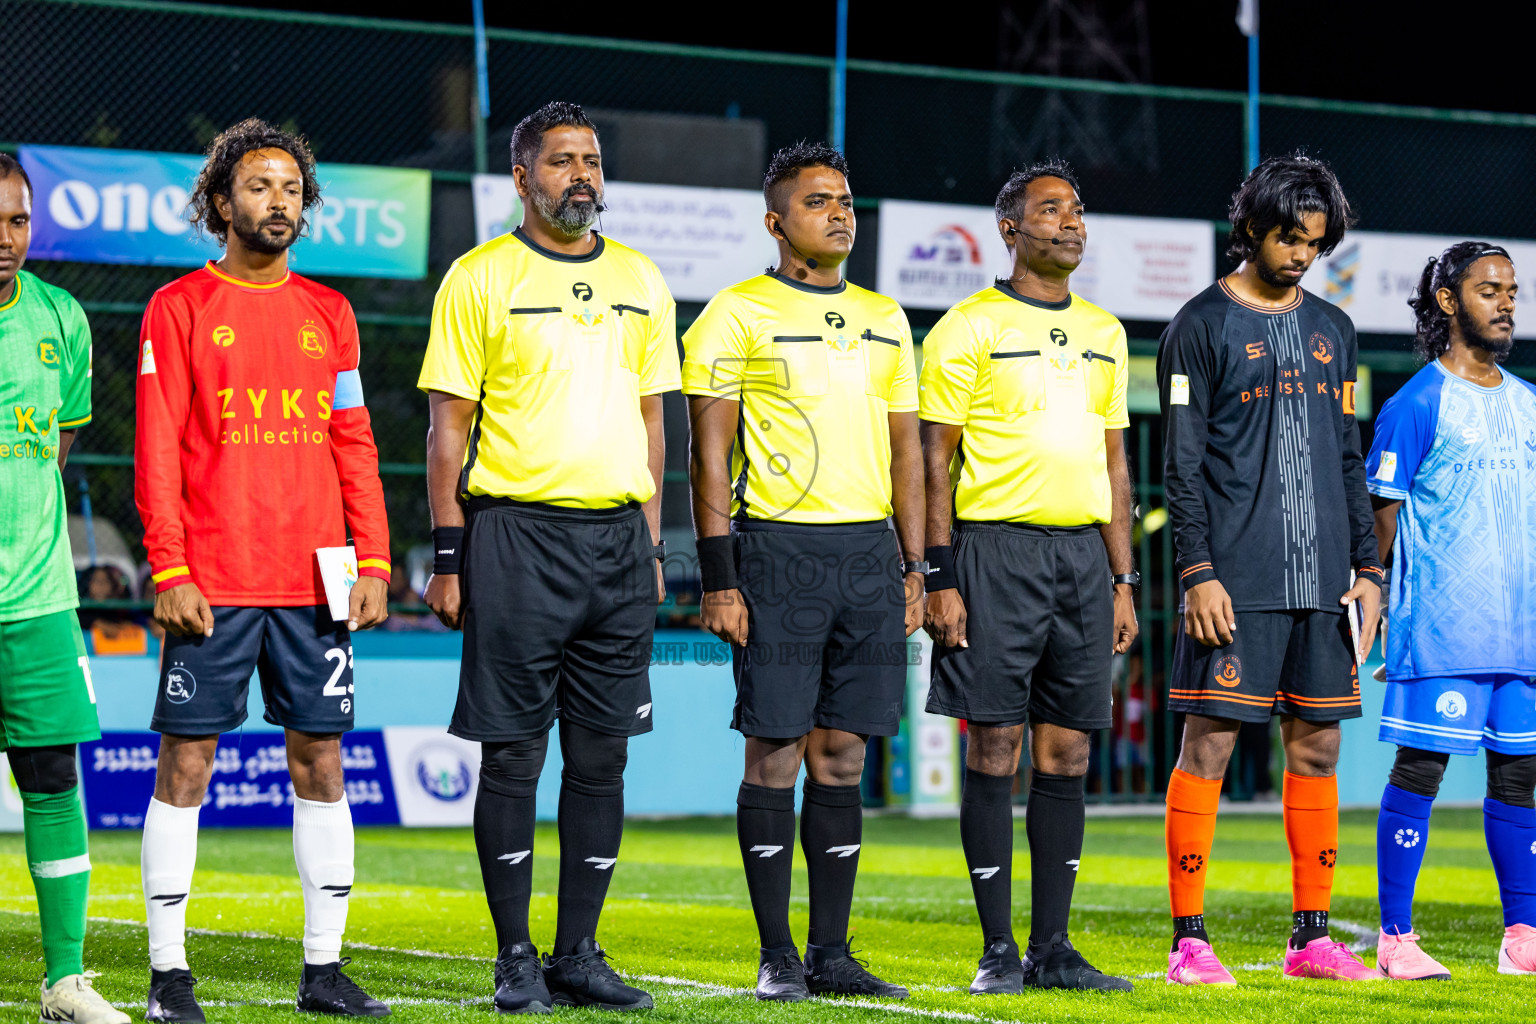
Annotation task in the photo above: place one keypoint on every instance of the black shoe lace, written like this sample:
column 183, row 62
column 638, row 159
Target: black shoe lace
column 341, row 986
column 176, row 994
column 593, row 961
column 519, row 968
column 787, row 965
column 852, row 971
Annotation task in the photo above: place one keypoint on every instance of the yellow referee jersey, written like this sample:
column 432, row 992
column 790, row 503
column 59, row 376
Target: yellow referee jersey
column 817, row 372
column 1034, row 385
column 558, row 351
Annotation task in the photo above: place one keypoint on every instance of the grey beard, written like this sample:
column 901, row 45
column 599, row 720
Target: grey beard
column 570, row 219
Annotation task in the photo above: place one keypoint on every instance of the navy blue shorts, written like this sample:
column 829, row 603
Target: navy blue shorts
column 303, row 658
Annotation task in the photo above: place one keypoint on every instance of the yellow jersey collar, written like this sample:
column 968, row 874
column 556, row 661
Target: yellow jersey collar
column 271, row 286
column 597, row 250
column 1007, row 289
column 814, row 289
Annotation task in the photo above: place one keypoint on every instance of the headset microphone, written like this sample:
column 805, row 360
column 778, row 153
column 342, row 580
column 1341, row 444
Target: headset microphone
column 809, row 261
column 1038, row 238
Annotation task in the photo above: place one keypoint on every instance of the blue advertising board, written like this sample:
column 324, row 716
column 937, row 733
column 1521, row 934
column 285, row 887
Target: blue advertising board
column 125, row 206
column 250, row 787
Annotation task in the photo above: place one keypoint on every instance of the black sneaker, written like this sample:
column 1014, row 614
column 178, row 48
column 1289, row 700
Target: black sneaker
column 583, row 978
column 171, row 998
column 781, row 976
column 324, row 989
column 1000, row 972
column 834, row 971
column 1057, row 965
column 520, row 984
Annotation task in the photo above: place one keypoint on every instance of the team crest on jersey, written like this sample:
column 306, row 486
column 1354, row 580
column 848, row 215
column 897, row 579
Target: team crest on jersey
column 312, row 340
column 1321, row 348
column 223, row 336
column 1229, row 671
column 48, row 352
column 1451, row 704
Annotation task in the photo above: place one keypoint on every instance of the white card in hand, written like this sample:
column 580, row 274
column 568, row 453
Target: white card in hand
column 338, row 571
column 1356, row 625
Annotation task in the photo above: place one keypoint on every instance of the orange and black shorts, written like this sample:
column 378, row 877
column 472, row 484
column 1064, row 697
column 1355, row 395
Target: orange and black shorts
column 1279, row 663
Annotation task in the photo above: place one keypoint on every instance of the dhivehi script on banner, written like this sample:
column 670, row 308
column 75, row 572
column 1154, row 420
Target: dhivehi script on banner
column 932, row 255
column 1372, row 273
column 702, row 239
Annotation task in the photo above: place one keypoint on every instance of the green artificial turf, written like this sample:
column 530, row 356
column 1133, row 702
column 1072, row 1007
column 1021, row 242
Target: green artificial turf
column 678, row 923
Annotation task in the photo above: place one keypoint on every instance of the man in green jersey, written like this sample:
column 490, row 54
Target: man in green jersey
column 47, row 705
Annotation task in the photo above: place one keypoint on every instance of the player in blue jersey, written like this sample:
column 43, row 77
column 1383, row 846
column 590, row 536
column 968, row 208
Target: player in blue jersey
column 1452, row 473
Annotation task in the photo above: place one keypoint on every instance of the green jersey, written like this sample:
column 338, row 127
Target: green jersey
column 45, row 387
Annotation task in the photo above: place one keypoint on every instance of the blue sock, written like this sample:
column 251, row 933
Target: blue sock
column 1511, row 834
column 1402, row 832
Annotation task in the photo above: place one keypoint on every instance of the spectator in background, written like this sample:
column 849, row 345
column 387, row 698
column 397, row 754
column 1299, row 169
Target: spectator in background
column 111, row 630
column 403, row 598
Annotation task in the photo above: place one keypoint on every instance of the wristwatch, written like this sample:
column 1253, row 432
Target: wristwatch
column 921, row 568
column 660, row 551
column 1132, row 579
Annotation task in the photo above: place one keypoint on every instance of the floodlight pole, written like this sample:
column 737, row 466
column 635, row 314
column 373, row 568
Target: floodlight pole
column 480, row 107
column 839, row 78
column 1252, row 109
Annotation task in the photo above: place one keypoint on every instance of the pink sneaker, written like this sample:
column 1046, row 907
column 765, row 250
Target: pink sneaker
column 1325, row 958
column 1195, row 963
column 1399, row 958
column 1517, row 953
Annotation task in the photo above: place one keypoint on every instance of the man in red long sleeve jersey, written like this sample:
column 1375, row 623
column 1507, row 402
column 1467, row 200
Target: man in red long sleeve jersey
column 253, row 449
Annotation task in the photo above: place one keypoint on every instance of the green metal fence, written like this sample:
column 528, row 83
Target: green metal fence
column 138, row 74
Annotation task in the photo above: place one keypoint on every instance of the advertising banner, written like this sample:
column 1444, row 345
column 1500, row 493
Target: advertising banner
column 250, row 788
column 702, row 239
column 123, row 206
column 932, row 255
column 1372, row 273
column 435, row 775
column 933, row 743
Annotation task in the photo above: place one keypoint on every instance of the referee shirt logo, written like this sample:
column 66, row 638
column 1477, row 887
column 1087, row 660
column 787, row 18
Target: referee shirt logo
column 835, row 320
column 582, row 291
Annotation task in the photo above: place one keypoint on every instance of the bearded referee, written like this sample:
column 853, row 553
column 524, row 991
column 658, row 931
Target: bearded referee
column 1028, row 382
column 550, row 349
column 803, row 400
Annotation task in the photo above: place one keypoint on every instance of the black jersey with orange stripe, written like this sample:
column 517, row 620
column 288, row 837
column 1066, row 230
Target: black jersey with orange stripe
column 1265, row 478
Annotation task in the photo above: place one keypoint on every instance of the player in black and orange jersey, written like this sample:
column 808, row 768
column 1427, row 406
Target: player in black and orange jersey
column 1267, row 496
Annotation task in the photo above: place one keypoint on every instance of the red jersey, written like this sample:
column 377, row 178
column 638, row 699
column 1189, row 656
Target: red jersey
column 253, row 446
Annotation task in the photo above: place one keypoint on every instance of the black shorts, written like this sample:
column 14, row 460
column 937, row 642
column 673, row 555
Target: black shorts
column 559, row 614
column 1040, row 621
column 302, row 656
column 1279, row 663
column 826, row 630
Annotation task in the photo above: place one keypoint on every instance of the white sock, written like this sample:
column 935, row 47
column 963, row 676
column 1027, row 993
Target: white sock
column 165, row 862
column 322, row 848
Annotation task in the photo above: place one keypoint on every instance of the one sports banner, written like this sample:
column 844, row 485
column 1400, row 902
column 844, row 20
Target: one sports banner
column 1372, row 273
column 932, row 255
column 250, row 786
column 702, row 239
column 123, row 206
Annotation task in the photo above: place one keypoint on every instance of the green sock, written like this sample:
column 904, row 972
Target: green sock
column 61, row 873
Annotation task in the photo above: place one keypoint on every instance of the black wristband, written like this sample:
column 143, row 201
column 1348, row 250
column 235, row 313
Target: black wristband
column 447, row 550
column 717, row 563
column 941, row 568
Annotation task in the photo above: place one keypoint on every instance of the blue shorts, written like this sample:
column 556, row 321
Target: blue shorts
column 302, row 655
column 1456, row 715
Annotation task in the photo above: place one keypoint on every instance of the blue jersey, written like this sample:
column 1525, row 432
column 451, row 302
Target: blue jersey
column 1462, row 460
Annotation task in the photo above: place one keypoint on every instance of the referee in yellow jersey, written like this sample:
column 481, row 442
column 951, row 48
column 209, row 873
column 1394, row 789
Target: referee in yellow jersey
column 1029, row 512
column 550, row 349
column 803, row 401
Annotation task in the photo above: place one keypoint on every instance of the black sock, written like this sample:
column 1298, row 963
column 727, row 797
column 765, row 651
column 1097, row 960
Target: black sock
column 504, row 817
column 986, row 836
column 1191, row 927
column 1054, row 824
column 831, row 831
column 591, row 828
column 1307, row 925
column 765, row 828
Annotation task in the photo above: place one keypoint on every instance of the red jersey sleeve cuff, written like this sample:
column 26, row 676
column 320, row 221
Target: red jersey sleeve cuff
column 175, row 576
column 1200, row 572
column 374, row 567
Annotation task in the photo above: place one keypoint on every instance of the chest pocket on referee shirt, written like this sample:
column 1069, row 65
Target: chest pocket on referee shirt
column 800, row 364
column 882, row 358
column 1018, row 381
column 540, row 338
column 633, row 326
column 1099, row 381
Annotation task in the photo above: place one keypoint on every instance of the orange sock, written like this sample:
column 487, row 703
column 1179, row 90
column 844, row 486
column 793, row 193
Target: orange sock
column 1312, row 829
column 1188, row 829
